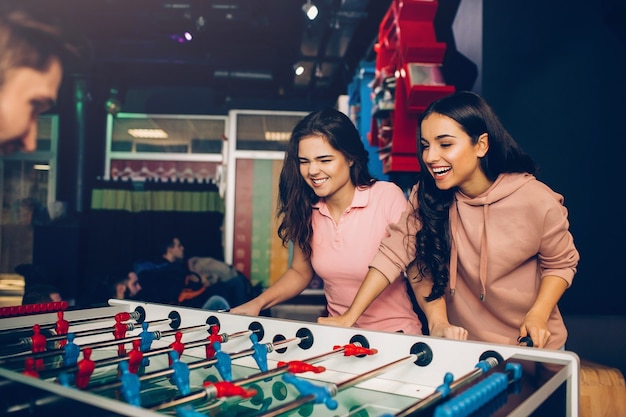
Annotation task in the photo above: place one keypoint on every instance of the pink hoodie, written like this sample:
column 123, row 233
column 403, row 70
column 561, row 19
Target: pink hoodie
column 503, row 242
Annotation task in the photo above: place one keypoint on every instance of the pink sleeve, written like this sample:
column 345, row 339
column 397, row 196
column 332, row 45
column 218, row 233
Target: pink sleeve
column 397, row 249
column 558, row 255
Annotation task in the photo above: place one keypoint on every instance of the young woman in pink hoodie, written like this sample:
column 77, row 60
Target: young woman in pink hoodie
column 485, row 245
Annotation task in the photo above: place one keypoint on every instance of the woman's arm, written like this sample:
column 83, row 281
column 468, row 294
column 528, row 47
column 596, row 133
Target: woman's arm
column 392, row 255
column 292, row 283
column 535, row 323
column 435, row 311
column 374, row 284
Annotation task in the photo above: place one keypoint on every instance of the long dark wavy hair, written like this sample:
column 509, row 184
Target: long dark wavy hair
column 504, row 155
column 295, row 196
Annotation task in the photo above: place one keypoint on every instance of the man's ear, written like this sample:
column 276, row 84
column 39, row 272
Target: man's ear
column 482, row 145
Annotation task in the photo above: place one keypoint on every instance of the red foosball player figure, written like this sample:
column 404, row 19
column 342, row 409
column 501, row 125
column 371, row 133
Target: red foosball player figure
column 30, row 368
column 85, row 368
column 62, row 327
column 299, row 367
column 177, row 345
column 135, row 357
column 213, row 337
column 38, row 345
column 354, row 350
column 120, row 333
column 223, row 389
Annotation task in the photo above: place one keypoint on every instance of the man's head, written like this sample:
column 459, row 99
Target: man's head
column 31, row 68
column 41, row 293
column 132, row 285
column 123, row 286
column 117, row 286
column 174, row 251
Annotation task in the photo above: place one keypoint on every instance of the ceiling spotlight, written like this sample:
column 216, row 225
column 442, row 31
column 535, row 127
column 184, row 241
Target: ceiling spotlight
column 310, row 10
column 298, row 70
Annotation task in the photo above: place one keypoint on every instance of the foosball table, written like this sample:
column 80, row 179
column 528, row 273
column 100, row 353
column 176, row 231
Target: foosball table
column 143, row 359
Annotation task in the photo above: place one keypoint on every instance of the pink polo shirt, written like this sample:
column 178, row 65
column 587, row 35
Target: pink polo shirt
column 341, row 254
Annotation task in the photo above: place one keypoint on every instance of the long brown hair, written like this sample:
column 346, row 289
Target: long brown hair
column 295, row 195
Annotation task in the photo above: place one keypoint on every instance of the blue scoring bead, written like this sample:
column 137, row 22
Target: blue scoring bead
column 473, row 398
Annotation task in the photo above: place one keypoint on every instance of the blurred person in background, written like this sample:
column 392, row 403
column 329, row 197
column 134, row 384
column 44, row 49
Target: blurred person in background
column 32, row 55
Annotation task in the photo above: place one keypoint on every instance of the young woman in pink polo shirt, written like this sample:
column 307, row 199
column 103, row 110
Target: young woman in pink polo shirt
column 489, row 244
column 336, row 214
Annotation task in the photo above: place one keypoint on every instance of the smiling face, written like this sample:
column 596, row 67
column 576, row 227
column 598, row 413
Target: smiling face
column 324, row 168
column 24, row 95
column 450, row 156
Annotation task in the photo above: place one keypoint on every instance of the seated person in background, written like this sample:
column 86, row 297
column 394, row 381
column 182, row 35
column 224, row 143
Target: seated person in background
column 164, row 278
column 123, row 286
column 222, row 280
column 169, row 280
column 132, row 286
column 41, row 293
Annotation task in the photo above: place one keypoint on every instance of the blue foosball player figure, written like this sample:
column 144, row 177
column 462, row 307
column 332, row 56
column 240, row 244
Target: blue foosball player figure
column 304, row 387
column 131, row 386
column 188, row 411
column 260, row 352
column 71, row 351
column 224, row 362
column 180, row 377
column 146, row 341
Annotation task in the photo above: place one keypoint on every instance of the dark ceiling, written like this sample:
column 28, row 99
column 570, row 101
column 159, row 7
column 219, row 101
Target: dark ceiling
column 240, row 48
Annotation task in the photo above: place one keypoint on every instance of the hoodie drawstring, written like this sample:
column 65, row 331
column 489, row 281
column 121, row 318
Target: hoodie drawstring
column 482, row 266
column 483, row 255
column 453, row 251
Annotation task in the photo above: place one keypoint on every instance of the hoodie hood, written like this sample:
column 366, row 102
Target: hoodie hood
column 503, row 186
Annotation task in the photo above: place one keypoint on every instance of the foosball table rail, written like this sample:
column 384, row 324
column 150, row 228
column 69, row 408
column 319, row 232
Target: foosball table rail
column 387, row 373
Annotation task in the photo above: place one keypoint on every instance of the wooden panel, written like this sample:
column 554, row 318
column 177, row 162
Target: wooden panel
column 602, row 391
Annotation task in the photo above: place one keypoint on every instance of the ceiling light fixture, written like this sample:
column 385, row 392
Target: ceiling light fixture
column 310, row 10
column 243, row 74
column 298, row 70
column 148, row 133
column 277, row 136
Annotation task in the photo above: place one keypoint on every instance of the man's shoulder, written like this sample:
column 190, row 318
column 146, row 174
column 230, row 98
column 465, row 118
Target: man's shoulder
column 149, row 265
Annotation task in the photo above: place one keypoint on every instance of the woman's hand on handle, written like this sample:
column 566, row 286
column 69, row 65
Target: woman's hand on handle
column 535, row 323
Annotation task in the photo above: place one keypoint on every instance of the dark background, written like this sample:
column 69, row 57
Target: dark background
column 553, row 71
